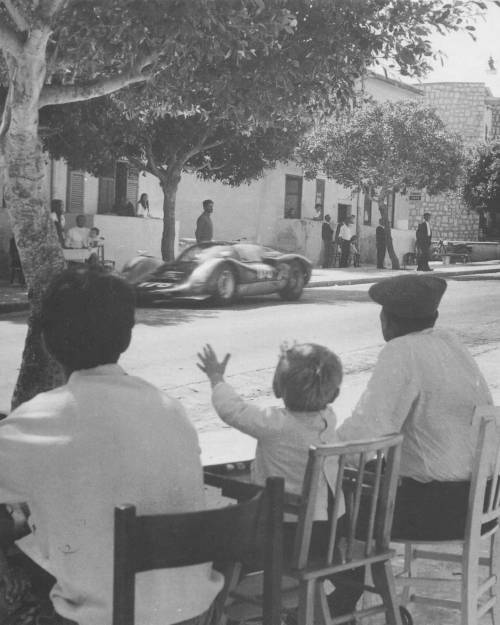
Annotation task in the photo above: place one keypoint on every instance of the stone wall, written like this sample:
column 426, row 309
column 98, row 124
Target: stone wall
column 465, row 108
column 451, row 219
column 494, row 105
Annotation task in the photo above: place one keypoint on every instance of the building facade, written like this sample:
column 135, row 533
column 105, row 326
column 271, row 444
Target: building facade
column 279, row 209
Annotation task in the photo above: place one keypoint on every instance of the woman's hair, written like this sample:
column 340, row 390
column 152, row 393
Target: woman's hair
column 307, row 377
column 144, row 200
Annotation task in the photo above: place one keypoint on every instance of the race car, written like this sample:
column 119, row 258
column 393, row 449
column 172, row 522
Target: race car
column 220, row 271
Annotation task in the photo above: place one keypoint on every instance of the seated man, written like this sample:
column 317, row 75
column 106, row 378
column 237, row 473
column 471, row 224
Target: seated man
column 426, row 385
column 103, row 439
column 78, row 236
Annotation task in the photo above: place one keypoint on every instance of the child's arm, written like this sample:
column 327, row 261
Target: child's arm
column 231, row 408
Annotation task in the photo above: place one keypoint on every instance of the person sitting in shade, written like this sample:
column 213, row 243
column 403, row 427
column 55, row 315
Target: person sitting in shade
column 78, row 236
column 426, row 385
column 102, row 439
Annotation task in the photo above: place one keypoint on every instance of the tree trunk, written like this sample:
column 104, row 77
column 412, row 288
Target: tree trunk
column 169, row 184
column 27, row 205
column 382, row 206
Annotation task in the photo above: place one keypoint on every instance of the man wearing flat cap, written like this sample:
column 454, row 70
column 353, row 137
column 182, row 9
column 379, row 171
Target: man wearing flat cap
column 426, row 385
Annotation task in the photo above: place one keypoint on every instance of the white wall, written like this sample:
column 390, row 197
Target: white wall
column 403, row 240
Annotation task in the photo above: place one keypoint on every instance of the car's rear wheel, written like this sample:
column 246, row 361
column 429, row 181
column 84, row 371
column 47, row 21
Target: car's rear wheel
column 295, row 284
column 224, row 285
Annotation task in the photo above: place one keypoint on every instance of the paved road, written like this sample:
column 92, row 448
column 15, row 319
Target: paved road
column 165, row 341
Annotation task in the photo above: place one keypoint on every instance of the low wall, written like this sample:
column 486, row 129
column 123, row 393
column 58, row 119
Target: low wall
column 125, row 236
column 298, row 235
column 403, row 241
column 481, row 250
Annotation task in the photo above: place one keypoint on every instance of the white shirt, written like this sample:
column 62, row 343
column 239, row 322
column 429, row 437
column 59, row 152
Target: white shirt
column 284, row 438
column 428, row 226
column 77, row 237
column 103, row 439
column 345, row 232
column 426, row 385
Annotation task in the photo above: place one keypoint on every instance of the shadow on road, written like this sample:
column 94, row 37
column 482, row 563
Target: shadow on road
column 175, row 313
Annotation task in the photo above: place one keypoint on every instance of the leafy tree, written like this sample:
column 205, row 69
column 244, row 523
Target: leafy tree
column 253, row 63
column 481, row 187
column 380, row 148
column 93, row 135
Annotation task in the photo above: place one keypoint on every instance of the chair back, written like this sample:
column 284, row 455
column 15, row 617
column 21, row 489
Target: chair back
column 370, row 496
column 484, row 495
column 228, row 534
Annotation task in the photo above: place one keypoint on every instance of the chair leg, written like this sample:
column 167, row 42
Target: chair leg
column 470, row 578
column 383, row 579
column 495, row 570
column 306, row 602
column 407, row 570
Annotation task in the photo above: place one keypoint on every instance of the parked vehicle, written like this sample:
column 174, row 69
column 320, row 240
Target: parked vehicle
column 220, row 271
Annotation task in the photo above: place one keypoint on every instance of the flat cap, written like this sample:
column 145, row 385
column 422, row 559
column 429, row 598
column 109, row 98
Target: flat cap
column 411, row 297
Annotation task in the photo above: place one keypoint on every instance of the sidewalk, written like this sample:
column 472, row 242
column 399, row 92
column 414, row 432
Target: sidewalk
column 14, row 298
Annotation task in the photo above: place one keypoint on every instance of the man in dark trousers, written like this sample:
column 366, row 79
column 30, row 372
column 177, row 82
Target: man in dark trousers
column 381, row 244
column 424, row 239
column 204, row 227
column 327, row 239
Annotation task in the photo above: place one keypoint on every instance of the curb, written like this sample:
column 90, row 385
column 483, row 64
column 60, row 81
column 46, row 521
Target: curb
column 378, row 278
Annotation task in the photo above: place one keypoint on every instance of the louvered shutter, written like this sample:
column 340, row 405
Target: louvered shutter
column 76, row 190
column 132, row 185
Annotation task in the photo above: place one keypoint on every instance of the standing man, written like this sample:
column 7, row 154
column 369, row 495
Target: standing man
column 327, row 239
column 102, row 439
column 345, row 236
column 424, row 240
column 204, row 226
column 381, row 244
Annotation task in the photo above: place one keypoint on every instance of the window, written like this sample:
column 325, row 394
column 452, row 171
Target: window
column 75, row 191
column 319, row 203
column 367, row 210
column 121, row 182
column 293, row 197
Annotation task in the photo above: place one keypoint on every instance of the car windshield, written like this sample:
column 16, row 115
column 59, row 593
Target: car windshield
column 202, row 253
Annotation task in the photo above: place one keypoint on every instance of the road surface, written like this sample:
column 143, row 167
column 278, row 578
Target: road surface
column 166, row 340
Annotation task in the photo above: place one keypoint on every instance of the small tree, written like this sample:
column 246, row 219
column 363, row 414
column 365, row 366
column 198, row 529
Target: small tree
column 481, row 188
column 93, row 135
column 380, row 148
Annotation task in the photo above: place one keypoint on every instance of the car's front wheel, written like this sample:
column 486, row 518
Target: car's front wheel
column 295, row 283
column 224, row 285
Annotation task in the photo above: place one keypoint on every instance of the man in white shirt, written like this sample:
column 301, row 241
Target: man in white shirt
column 78, row 236
column 345, row 236
column 102, row 439
column 426, row 385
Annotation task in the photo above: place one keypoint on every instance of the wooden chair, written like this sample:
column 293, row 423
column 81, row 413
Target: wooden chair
column 225, row 535
column 478, row 593
column 365, row 540
column 370, row 495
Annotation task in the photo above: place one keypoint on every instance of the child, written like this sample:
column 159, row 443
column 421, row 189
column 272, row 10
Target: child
column 354, row 251
column 94, row 239
column 307, row 378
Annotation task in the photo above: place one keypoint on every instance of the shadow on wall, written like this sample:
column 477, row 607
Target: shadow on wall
column 302, row 236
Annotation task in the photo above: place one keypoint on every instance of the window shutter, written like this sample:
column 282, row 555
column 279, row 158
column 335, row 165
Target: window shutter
column 106, row 197
column 75, row 192
column 133, row 185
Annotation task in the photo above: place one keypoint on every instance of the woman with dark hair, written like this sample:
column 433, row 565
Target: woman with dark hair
column 143, row 206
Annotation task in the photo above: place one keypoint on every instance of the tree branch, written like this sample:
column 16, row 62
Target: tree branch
column 63, row 94
column 10, row 40
column 200, row 147
column 16, row 16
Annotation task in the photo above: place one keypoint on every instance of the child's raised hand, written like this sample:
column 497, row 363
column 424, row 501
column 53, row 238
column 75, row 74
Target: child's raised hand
column 211, row 366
